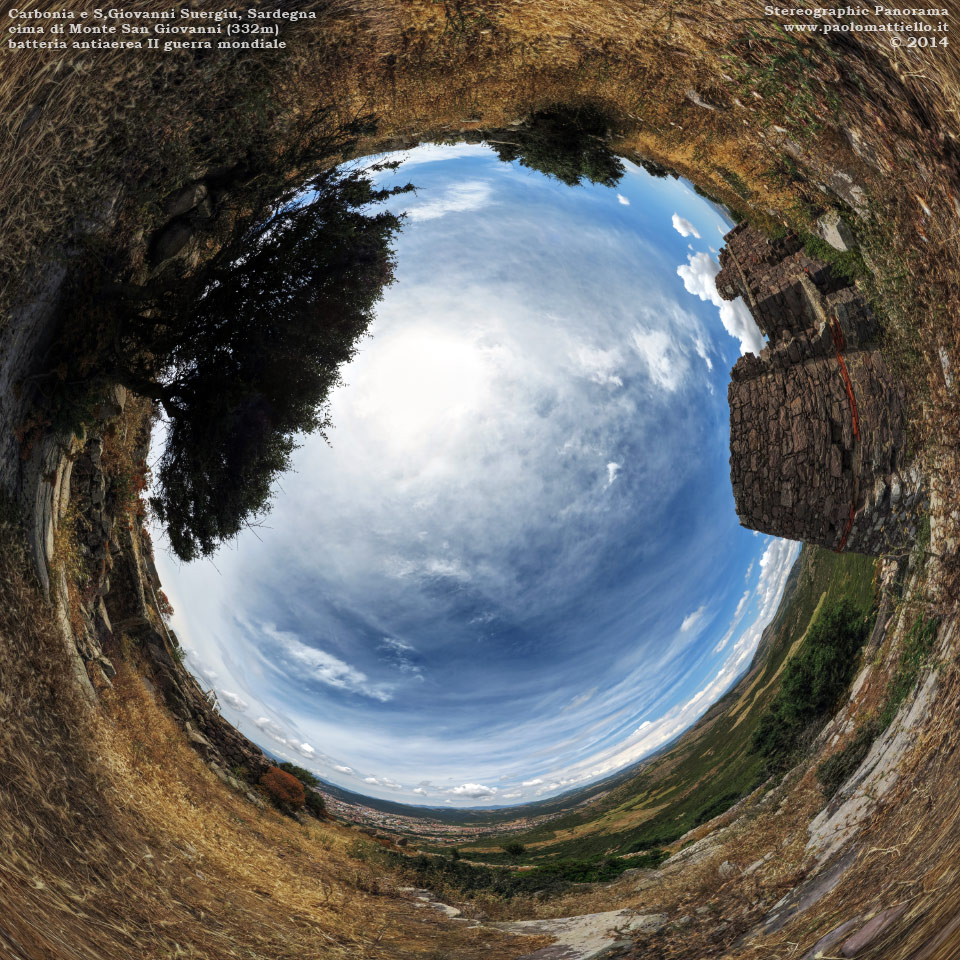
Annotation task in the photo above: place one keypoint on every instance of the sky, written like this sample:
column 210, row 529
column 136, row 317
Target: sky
column 517, row 567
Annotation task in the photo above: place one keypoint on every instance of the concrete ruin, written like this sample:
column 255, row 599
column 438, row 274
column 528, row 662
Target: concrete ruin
column 817, row 422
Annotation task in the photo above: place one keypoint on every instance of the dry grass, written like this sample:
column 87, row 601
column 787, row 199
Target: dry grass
column 115, row 841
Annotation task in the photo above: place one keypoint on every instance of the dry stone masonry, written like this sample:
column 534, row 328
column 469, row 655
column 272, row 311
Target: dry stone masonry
column 817, row 423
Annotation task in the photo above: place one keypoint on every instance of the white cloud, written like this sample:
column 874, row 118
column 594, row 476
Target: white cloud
column 233, row 699
column 580, row 699
column 307, row 750
column 684, row 227
column 698, row 276
column 470, row 195
column 395, row 644
column 692, row 619
column 475, row 791
column 532, row 783
column 273, row 730
column 775, row 566
column 612, row 470
column 325, row 667
column 513, row 795
column 398, row 652
column 776, row 563
column 622, row 199
column 375, row 780
column 598, row 365
column 342, row 768
column 665, row 362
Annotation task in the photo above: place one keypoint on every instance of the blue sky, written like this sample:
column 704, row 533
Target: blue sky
column 518, row 566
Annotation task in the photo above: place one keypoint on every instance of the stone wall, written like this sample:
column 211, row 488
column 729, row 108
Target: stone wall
column 817, row 422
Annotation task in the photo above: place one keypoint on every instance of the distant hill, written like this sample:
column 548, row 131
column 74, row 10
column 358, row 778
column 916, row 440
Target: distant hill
column 709, row 767
column 708, row 764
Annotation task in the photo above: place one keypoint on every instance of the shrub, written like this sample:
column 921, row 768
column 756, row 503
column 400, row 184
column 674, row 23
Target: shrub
column 716, row 807
column 315, row 803
column 449, row 877
column 836, row 770
column 164, row 606
column 813, row 682
column 514, row 848
column 284, row 789
column 914, row 655
column 304, row 776
column 649, row 859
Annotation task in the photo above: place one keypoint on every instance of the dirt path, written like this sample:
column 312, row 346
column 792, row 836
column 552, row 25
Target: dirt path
column 589, row 936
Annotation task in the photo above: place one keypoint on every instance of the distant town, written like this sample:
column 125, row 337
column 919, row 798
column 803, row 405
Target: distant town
column 423, row 827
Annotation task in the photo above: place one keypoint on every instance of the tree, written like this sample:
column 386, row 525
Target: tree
column 567, row 143
column 514, row 848
column 242, row 356
column 304, row 776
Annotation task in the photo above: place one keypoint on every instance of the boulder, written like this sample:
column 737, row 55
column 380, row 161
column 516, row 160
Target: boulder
column 835, row 231
column 170, row 241
column 184, row 200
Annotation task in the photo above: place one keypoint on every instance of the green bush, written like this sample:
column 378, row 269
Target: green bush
column 648, row 860
column 304, row 776
column 315, row 803
column 514, row 848
column 714, row 809
column 836, row 770
column 914, row 655
column 444, row 875
column 813, row 683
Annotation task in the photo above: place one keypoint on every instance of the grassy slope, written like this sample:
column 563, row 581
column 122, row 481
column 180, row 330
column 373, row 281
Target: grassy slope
column 710, row 767
column 116, row 841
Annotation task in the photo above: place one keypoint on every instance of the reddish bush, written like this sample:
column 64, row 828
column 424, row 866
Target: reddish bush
column 284, row 788
column 164, row 605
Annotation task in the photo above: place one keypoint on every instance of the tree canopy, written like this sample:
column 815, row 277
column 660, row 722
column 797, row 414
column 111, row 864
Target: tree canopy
column 570, row 144
column 242, row 355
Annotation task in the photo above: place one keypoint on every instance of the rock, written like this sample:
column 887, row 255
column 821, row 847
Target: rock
column 826, row 943
column 844, row 186
column 109, row 670
column 834, row 230
column 872, row 929
column 587, row 937
column 647, row 923
column 184, row 200
column 169, row 242
column 700, row 101
column 111, row 408
column 204, row 209
column 726, row 870
column 197, row 738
